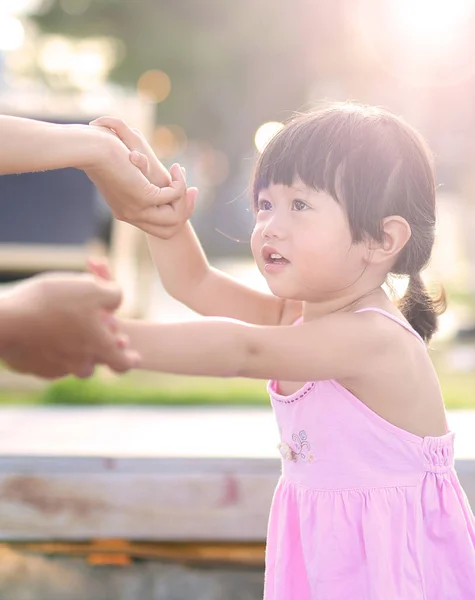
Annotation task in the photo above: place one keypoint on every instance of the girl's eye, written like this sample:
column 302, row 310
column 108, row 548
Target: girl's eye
column 264, row 205
column 299, row 205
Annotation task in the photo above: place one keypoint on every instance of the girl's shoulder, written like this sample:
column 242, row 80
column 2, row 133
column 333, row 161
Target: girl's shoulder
column 393, row 316
column 401, row 384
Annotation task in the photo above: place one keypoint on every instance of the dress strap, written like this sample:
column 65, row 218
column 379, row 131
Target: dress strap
column 393, row 318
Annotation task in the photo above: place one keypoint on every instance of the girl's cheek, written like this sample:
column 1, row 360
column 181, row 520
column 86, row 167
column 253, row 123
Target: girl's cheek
column 256, row 241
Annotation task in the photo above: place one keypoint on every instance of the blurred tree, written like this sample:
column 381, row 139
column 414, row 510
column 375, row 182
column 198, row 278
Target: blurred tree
column 235, row 65
column 232, row 65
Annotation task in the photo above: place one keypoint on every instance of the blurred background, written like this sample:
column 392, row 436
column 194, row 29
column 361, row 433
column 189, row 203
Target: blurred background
column 208, row 82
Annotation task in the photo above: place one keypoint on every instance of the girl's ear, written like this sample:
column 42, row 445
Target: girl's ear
column 396, row 232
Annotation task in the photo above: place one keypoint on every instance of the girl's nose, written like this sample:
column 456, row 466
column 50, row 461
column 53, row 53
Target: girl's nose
column 274, row 228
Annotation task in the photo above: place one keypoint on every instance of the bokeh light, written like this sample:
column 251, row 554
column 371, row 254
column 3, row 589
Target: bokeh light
column 55, row 54
column 265, row 133
column 154, row 85
column 12, row 33
column 168, row 141
column 84, row 64
column 88, row 68
column 212, row 166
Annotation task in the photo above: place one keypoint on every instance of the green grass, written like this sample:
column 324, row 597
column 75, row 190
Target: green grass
column 461, row 297
column 156, row 390
column 19, row 398
column 166, row 391
column 458, row 390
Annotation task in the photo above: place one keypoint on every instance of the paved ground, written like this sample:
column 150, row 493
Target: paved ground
column 161, row 432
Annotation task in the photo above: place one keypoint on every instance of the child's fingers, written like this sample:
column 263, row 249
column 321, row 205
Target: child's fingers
column 171, row 193
column 110, row 321
column 140, row 161
column 110, row 352
column 178, row 174
column 191, row 195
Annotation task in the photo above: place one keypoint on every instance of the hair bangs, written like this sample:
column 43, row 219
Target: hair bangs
column 299, row 152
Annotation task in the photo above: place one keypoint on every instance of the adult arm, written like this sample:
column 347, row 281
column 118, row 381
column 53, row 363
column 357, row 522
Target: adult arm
column 28, row 145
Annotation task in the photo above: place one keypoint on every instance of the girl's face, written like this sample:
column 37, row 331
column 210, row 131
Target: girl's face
column 302, row 244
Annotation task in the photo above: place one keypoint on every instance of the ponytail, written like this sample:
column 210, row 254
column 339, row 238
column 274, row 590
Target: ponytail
column 420, row 308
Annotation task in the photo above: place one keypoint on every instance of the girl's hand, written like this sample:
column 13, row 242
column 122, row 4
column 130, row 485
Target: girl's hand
column 180, row 209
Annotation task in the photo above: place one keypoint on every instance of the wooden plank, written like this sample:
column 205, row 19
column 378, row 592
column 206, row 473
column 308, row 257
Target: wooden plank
column 146, row 501
column 162, row 500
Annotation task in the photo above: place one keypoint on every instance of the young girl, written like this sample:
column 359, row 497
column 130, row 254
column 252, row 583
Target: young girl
column 368, row 506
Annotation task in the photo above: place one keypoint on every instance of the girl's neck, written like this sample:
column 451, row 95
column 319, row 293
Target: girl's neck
column 349, row 303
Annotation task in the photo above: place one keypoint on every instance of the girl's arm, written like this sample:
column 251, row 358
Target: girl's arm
column 189, row 278
column 181, row 262
column 338, row 346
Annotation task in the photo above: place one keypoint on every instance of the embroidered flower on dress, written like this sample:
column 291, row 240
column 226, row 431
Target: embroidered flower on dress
column 300, row 450
column 286, row 451
column 302, row 447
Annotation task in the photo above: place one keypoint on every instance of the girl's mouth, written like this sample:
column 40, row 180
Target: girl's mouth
column 276, row 259
column 273, row 260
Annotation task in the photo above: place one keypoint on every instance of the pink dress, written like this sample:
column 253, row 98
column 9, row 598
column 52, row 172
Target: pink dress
column 364, row 510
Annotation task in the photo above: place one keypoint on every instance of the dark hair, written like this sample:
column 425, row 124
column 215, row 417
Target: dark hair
column 375, row 165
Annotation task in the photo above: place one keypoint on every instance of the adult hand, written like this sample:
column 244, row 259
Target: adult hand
column 56, row 325
column 180, row 207
column 129, row 194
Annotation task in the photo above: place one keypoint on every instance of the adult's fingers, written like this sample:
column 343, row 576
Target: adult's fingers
column 108, row 295
column 128, row 136
column 100, row 268
column 85, row 371
column 133, row 139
